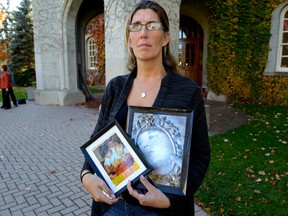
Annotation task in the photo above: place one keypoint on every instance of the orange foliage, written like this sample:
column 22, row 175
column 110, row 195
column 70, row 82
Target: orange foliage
column 3, row 43
column 4, row 55
column 96, row 29
column 2, row 17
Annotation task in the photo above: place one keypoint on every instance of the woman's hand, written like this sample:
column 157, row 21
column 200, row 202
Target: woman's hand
column 153, row 198
column 98, row 189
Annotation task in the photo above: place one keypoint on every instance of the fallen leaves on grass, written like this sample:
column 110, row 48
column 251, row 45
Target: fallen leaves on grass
column 262, row 173
column 251, row 175
column 239, row 199
column 259, row 180
column 249, row 169
column 263, row 200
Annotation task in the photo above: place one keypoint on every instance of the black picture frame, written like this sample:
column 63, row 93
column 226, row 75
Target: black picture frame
column 171, row 129
column 115, row 158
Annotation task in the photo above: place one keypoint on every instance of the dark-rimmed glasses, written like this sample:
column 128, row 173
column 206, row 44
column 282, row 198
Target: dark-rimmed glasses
column 152, row 26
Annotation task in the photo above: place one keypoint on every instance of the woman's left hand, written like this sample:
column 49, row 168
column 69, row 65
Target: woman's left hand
column 153, row 198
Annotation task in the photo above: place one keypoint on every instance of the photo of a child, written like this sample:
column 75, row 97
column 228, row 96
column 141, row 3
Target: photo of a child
column 115, row 159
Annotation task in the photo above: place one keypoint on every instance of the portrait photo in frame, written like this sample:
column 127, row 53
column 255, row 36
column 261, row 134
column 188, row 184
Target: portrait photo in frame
column 164, row 138
column 115, row 158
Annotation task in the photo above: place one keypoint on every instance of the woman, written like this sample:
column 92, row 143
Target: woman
column 153, row 82
column 5, row 81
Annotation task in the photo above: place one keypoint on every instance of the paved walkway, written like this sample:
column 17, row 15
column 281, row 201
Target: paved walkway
column 40, row 160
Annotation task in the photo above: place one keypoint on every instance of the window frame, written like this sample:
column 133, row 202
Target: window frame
column 280, row 41
column 90, row 49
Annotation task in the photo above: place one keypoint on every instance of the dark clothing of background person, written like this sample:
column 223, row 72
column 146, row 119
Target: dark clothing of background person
column 11, row 91
column 13, row 97
column 183, row 93
column 5, row 82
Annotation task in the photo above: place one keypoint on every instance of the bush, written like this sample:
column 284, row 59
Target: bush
column 25, row 78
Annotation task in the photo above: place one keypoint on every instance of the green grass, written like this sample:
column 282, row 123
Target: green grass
column 249, row 166
column 20, row 92
column 96, row 90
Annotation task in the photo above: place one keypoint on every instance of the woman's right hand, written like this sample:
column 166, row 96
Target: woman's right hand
column 98, row 189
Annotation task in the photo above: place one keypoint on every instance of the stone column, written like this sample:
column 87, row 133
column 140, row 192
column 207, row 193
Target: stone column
column 55, row 52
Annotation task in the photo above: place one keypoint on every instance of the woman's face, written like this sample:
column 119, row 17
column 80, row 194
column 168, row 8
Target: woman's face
column 147, row 45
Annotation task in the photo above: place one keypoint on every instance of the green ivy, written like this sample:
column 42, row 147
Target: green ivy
column 238, row 47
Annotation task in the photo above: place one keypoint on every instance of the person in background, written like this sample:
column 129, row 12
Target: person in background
column 153, row 82
column 1, row 87
column 5, row 81
column 11, row 91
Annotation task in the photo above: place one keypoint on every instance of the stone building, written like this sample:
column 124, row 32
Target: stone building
column 61, row 44
column 60, row 52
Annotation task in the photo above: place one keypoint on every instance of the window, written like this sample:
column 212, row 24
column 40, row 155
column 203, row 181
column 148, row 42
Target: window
column 283, row 42
column 91, row 53
column 277, row 63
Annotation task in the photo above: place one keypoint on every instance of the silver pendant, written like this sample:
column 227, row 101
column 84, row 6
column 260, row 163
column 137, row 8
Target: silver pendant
column 143, row 95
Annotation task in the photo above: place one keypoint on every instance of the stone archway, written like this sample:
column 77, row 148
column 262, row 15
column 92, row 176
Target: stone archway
column 59, row 41
column 87, row 11
column 55, row 52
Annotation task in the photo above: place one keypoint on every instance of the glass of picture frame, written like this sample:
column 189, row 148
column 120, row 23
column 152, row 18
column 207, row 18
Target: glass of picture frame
column 164, row 138
column 114, row 158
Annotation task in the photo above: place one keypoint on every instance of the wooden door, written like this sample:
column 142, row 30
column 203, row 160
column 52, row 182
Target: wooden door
column 191, row 49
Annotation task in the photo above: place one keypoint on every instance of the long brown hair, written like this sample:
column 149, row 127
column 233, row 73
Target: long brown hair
column 168, row 59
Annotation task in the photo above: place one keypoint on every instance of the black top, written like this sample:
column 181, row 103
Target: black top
column 176, row 92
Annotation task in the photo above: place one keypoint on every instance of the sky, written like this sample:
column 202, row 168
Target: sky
column 13, row 4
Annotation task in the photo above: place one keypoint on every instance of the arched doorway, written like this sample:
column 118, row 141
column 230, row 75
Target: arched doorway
column 87, row 11
column 190, row 48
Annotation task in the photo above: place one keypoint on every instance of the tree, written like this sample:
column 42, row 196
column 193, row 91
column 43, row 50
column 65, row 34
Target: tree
column 22, row 44
column 4, row 38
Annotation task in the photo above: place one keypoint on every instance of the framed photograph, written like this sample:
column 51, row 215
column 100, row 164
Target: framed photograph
column 115, row 158
column 164, row 138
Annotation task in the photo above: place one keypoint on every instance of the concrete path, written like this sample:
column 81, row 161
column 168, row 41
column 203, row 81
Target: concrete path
column 40, row 160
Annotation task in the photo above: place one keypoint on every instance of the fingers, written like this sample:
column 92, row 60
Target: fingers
column 146, row 183
column 153, row 198
column 109, row 199
column 131, row 191
column 106, row 195
column 99, row 189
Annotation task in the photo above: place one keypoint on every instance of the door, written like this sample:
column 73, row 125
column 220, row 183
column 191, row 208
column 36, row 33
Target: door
column 191, row 49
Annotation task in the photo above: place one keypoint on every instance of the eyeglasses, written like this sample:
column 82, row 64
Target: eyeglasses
column 152, row 26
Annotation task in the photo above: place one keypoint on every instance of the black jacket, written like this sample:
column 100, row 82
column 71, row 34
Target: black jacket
column 176, row 92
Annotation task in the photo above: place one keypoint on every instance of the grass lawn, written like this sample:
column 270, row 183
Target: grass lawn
column 248, row 174
column 20, row 92
column 93, row 89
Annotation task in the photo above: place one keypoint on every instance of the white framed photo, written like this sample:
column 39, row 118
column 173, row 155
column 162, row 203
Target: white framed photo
column 115, row 158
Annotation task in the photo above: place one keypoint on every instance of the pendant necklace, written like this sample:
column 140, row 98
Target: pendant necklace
column 143, row 94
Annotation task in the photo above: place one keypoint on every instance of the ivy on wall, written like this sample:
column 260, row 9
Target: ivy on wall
column 238, row 49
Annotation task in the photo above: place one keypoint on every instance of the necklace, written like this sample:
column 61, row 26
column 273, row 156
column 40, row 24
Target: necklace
column 143, row 94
